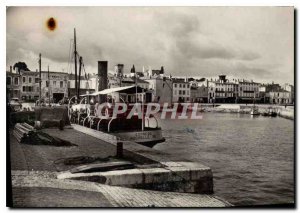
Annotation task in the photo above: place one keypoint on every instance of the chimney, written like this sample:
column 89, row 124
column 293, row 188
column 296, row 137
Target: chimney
column 102, row 75
column 10, row 69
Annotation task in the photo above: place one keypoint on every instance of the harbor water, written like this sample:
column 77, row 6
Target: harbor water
column 252, row 158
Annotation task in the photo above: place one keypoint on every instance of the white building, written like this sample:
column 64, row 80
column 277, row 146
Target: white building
column 161, row 89
column 54, row 85
column 181, row 91
column 281, row 97
column 222, row 90
column 248, row 91
column 88, row 84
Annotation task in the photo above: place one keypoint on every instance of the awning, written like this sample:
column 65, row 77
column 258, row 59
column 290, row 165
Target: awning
column 84, row 95
column 127, row 89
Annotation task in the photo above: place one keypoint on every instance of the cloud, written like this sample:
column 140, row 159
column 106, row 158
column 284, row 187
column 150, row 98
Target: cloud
column 185, row 40
column 253, row 72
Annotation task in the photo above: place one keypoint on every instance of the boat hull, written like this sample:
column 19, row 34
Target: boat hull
column 148, row 138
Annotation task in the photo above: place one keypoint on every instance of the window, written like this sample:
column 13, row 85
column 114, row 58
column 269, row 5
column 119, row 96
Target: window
column 29, row 79
column 24, row 88
column 8, row 80
column 183, row 85
column 36, row 80
column 54, row 83
column 179, row 92
column 37, row 89
column 188, row 92
column 183, row 92
column 180, row 85
column 61, row 84
column 24, row 79
column 29, row 89
column 47, row 83
column 87, row 85
column 175, row 85
column 188, row 86
column 16, row 81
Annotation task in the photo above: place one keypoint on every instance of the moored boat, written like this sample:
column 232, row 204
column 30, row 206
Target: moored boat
column 254, row 111
column 141, row 129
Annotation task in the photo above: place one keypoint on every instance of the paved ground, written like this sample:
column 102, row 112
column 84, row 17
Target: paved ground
column 35, row 184
column 43, row 157
column 37, row 189
column 52, row 197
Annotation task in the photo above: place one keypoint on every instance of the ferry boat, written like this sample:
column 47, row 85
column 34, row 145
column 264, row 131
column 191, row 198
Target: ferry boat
column 87, row 113
column 143, row 130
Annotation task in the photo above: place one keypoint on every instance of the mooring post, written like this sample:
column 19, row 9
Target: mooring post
column 119, row 149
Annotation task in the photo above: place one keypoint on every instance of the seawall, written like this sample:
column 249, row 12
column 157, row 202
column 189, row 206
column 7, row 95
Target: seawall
column 156, row 171
column 282, row 111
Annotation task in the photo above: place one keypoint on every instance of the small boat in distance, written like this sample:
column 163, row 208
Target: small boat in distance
column 271, row 112
column 254, row 111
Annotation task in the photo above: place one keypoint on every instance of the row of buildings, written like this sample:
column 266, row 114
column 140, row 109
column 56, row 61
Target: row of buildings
column 55, row 86
column 160, row 88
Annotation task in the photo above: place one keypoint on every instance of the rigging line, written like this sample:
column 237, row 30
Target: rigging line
column 85, row 75
column 71, row 67
column 69, row 58
column 83, row 67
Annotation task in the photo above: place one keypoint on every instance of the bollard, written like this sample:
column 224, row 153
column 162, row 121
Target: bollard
column 119, row 149
column 61, row 125
column 37, row 125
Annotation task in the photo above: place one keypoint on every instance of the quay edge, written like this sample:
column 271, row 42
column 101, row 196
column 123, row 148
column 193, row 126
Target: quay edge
column 170, row 173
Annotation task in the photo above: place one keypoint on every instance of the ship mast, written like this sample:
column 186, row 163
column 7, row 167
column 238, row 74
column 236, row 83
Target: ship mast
column 75, row 60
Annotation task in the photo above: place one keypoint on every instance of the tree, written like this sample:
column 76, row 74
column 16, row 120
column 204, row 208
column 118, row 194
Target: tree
column 21, row 66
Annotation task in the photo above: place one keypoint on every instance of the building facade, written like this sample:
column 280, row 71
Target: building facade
column 290, row 88
column 248, row 91
column 181, row 91
column 135, row 81
column 282, row 97
column 222, row 91
column 54, row 85
column 161, row 89
column 199, row 94
column 30, row 85
column 13, row 85
column 88, row 84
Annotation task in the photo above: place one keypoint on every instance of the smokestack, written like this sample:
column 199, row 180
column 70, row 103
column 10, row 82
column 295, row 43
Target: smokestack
column 102, row 74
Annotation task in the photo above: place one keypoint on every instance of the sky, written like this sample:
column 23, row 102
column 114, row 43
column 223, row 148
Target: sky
column 241, row 42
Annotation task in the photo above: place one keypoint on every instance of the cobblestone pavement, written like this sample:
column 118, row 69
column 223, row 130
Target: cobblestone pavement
column 36, row 186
